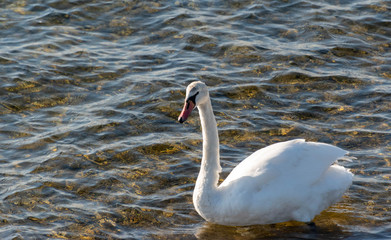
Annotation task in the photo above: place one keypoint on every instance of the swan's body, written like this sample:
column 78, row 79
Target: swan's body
column 292, row 180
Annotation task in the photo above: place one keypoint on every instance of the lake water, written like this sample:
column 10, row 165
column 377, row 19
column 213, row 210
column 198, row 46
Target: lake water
column 90, row 92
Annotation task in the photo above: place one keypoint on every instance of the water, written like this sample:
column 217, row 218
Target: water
column 90, row 92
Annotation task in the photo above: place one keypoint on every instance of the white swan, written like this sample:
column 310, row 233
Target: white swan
column 292, row 180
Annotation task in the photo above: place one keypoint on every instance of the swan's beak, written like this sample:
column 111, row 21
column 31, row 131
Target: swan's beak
column 189, row 106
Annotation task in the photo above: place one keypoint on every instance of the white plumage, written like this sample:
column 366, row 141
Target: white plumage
column 292, row 180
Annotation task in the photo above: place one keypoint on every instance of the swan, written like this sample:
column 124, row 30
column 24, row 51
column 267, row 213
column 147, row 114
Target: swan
column 292, row 180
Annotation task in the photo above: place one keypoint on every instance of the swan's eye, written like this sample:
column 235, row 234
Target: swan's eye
column 192, row 98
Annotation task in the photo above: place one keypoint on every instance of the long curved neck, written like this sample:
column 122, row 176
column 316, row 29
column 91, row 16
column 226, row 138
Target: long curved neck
column 210, row 164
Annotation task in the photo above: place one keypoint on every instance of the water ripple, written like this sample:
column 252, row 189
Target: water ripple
column 91, row 90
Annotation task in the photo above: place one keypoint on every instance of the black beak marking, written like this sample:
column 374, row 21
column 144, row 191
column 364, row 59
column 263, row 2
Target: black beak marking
column 192, row 98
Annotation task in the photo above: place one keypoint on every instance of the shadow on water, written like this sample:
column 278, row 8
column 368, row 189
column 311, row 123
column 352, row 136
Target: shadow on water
column 290, row 230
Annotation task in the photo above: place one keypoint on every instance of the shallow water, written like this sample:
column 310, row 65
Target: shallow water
column 90, row 92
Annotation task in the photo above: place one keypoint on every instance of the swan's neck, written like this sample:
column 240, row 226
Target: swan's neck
column 206, row 185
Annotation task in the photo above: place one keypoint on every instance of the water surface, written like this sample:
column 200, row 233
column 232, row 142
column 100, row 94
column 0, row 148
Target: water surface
column 90, row 92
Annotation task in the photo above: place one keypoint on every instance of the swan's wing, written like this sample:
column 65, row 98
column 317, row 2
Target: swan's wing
column 297, row 159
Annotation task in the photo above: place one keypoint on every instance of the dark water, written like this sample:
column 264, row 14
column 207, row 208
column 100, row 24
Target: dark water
column 90, row 92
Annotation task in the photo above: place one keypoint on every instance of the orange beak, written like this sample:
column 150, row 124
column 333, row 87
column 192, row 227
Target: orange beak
column 189, row 106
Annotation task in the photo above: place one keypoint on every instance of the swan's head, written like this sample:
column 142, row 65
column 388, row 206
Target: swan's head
column 196, row 94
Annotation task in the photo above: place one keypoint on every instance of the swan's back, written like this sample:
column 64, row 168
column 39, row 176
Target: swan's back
column 293, row 180
column 295, row 158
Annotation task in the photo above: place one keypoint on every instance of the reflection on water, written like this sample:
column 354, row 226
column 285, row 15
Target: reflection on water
column 91, row 90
